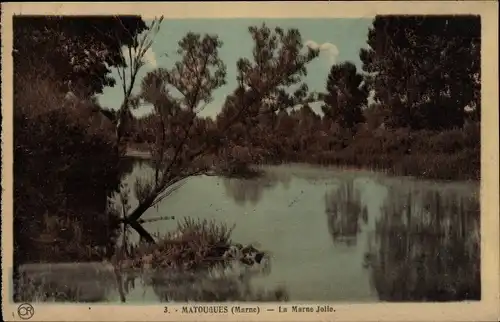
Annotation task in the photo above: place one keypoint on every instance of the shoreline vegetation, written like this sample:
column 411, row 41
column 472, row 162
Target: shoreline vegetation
column 422, row 120
column 452, row 155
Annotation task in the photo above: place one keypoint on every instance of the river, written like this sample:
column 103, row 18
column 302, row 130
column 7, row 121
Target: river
column 338, row 235
column 343, row 235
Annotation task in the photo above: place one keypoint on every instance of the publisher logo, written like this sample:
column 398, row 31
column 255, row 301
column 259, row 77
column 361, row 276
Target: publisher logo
column 25, row 311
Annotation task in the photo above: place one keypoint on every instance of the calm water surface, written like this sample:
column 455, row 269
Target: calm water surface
column 340, row 235
column 332, row 236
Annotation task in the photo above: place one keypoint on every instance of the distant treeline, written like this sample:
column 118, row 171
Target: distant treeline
column 423, row 75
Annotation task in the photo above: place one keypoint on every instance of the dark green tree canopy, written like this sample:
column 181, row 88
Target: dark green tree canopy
column 79, row 49
column 346, row 95
column 425, row 69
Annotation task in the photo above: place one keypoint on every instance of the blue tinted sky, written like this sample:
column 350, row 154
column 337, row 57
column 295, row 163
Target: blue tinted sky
column 341, row 39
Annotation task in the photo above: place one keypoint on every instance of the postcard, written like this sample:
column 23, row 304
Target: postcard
column 250, row 161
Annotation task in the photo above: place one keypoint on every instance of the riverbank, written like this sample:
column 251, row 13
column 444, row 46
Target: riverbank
column 442, row 167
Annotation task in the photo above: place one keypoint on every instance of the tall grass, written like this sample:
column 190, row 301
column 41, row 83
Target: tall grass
column 195, row 244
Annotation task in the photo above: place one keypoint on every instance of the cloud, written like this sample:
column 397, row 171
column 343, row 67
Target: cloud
column 328, row 50
column 149, row 57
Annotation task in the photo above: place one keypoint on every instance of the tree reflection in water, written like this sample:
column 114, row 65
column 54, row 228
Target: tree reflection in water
column 426, row 248
column 244, row 191
column 345, row 211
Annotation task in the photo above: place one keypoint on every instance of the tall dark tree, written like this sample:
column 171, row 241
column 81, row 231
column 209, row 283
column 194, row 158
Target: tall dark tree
column 425, row 69
column 346, row 95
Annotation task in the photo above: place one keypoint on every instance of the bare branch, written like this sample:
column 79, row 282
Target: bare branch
column 136, row 54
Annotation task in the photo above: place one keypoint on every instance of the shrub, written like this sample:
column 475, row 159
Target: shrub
column 64, row 169
column 195, row 244
column 236, row 161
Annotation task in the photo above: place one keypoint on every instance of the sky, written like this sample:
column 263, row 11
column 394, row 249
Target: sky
column 339, row 40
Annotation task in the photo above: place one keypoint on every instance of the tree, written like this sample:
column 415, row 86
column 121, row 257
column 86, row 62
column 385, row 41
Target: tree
column 346, row 95
column 186, row 143
column 374, row 116
column 266, row 76
column 425, row 69
column 77, row 49
column 63, row 169
column 134, row 55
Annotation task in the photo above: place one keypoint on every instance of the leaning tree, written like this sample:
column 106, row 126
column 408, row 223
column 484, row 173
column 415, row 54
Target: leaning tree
column 186, row 143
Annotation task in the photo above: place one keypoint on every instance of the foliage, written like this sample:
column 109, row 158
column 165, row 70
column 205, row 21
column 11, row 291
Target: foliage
column 236, row 160
column 135, row 59
column 375, row 115
column 79, row 49
column 425, row 69
column 177, row 95
column 278, row 66
column 346, row 95
column 59, row 201
column 65, row 165
column 418, row 121
column 449, row 155
column 186, row 143
column 195, row 244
